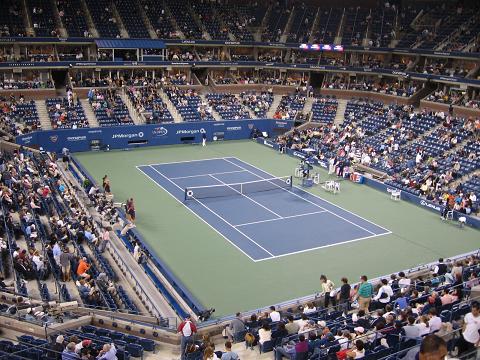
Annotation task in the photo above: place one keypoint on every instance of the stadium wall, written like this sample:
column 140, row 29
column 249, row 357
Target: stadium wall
column 125, row 137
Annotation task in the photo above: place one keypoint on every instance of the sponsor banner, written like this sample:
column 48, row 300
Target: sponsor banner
column 122, row 137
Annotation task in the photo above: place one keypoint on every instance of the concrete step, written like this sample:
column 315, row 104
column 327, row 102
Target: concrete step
column 137, row 118
column 215, row 114
column 307, row 108
column 43, row 115
column 173, row 110
column 340, row 115
column 87, row 108
column 276, row 101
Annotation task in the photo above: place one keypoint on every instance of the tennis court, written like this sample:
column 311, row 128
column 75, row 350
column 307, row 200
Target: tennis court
column 263, row 216
column 211, row 267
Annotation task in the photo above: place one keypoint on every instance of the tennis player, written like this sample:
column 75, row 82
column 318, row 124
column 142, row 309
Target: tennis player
column 204, row 139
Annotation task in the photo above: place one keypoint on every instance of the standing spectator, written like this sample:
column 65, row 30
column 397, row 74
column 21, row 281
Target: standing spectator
column 327, row 289
column 57, row 252
column 470, row 333
column 364, row 293
column 130, row 207
column 65, row 261
column 344, row 295
column 106, row 185
column 237, row 326
column 187, row 329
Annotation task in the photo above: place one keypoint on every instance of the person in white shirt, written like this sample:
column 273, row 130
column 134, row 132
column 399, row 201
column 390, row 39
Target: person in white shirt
column 422, row 324
column 264, row 334
column 404, row 282
column 470, row 336
column 434, row 322
column 383, row 295
column 274, row 314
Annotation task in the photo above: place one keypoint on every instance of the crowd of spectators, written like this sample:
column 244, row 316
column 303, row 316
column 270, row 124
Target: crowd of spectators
column 373, row 319
column 258, row 103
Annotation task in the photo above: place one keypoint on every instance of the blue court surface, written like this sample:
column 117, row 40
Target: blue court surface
column 266, row 224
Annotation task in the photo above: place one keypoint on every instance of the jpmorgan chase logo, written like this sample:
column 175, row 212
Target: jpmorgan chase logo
column 140, row 134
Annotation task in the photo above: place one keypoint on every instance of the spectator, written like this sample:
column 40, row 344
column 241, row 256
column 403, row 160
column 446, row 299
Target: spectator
column 69, row 352
column 264, row 333
column 432, row 347
column 344, row 296
column 229, row 354
column 82, row 268
column 237, row 326
column 65, row 262
column 292, row 327
column 274, row 314
column 187, row 330
column 364, row 293
column 327, row 290
column 470, row 332
column 108, row 352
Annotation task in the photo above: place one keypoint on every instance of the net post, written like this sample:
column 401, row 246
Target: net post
column 241, row 188
column 185, row 194
column 291, row 181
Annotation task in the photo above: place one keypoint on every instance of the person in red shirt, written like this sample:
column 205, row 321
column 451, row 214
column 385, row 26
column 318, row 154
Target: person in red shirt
column 188, row 330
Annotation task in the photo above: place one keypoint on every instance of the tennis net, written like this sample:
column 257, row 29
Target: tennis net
column 223, row 190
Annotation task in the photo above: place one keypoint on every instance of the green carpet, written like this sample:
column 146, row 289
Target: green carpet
column 220, row 276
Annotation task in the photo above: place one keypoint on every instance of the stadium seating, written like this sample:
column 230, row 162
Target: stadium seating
column 132, row 20
column 228, row 106
column 148, row 100
column 73, row 18
column 103, row 18
column 189, row 105
column 64, row 115
column 11, row 19
column 109, row 108
column 43, row 20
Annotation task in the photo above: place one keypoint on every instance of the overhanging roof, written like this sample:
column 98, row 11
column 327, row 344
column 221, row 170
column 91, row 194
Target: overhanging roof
column 130, row 44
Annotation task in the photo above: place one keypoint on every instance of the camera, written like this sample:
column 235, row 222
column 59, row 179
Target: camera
column 205, row 315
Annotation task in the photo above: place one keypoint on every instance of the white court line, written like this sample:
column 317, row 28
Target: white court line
column 322, row 247
column 213, row 212
column 311, row 202
column 318, row 197
column 218, row 173
column 284, row 217
column 197, row 215
column 249, row 198
column 180, row 162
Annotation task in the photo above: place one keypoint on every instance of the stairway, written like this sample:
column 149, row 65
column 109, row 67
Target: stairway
column 273, row 108
column 146, row 21
column 340, row 116
column 87, row 108
column 137, row 118
column 88, row 17
column 307, row 108
column 177, row 118
column 121, row 27
column 43, row 115
column 215, row 114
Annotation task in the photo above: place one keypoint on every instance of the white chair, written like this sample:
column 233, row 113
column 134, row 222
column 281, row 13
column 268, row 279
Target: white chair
column 462, row 221
column 298, row 172
column 316, row 179
column 396, row 194
column 450, row 215
column 336, row 187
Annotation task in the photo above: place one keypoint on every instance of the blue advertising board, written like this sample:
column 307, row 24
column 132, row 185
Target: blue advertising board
column 122, row 137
